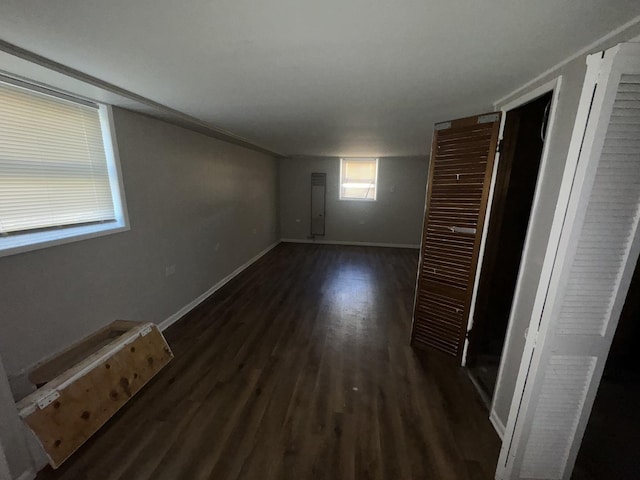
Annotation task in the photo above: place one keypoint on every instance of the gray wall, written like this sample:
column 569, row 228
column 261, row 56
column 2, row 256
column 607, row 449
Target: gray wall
column 15, row 459
column 186, row 194
column 394, row 218
column 549, row 184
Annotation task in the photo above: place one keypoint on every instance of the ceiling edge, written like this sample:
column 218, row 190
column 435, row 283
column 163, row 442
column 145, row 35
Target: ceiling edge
column 595, row 45
column 160, row 111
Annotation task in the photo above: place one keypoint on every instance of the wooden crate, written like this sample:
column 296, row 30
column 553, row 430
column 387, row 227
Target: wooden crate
column 88, row 383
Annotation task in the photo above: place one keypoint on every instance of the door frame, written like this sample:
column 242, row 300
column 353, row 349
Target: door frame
column 553, row 86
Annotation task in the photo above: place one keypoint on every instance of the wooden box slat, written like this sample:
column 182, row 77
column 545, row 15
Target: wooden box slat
column 71, row 407
column 76, row 353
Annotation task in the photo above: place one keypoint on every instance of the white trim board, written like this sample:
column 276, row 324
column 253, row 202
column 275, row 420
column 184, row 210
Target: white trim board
column 30, row 474
column 553, row 86
column 356, row 244
column 497, row 424
column 167, row 322
column 201, row 298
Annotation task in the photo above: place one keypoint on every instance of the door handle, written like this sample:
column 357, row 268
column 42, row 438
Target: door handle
column 463, row 230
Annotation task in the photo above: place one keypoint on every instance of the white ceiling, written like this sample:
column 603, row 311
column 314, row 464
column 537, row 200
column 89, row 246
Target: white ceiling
column 315, row 77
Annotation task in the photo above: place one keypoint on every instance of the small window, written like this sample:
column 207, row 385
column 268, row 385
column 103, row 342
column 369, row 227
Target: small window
column 358, row 178
column 59, row 179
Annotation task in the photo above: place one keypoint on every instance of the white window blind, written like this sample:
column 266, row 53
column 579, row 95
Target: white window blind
column 358, row 178
column 53, row 165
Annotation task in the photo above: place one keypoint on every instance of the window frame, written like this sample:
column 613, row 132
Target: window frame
column 35, row 240
column 359, row 159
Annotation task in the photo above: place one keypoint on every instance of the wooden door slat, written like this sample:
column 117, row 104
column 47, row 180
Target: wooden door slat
column 464, row 131
column 459, row 175
column 472, row 137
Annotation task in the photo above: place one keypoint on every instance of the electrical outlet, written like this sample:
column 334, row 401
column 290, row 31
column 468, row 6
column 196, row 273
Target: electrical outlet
column 170, row 270
column 298, row 220
column 254, row 231
column 217, row 247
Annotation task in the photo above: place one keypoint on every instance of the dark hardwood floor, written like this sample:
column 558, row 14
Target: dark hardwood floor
column 300, row 368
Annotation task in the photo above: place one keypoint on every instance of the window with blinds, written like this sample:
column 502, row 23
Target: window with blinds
column 358, row 178
column 56, row 171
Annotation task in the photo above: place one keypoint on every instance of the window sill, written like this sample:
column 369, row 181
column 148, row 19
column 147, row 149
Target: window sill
column 357, row 199
column 15, row 244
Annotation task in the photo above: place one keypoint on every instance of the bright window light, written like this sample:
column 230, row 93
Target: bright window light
column 59, row 178
column 358, row 179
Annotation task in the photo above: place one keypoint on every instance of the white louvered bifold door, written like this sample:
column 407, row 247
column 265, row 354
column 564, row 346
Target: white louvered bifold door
column 591, row 264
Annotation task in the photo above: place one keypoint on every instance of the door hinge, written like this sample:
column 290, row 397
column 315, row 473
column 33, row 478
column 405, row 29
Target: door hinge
column 489, row 118
column 442, row 126
column 47, row 398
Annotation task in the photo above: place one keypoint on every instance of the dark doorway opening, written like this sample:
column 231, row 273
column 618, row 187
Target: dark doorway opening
column 610, row 444
column 515, row 186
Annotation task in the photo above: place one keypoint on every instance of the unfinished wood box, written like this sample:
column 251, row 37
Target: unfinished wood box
column 85, row 385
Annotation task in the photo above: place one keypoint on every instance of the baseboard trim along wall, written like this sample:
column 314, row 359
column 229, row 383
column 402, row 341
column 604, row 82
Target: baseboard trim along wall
column 357, row 244
column 166, row 323
column 197, row 301
column 28, row 475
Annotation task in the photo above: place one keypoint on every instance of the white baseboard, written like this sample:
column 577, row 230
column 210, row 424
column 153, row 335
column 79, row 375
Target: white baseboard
column 497, row 424
column 194, row 303
column 358, row 244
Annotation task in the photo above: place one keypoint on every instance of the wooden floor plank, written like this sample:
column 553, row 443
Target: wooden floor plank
column 299, row 368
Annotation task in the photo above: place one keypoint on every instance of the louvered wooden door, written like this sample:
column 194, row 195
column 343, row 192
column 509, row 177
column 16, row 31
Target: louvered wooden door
column 462, row 156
